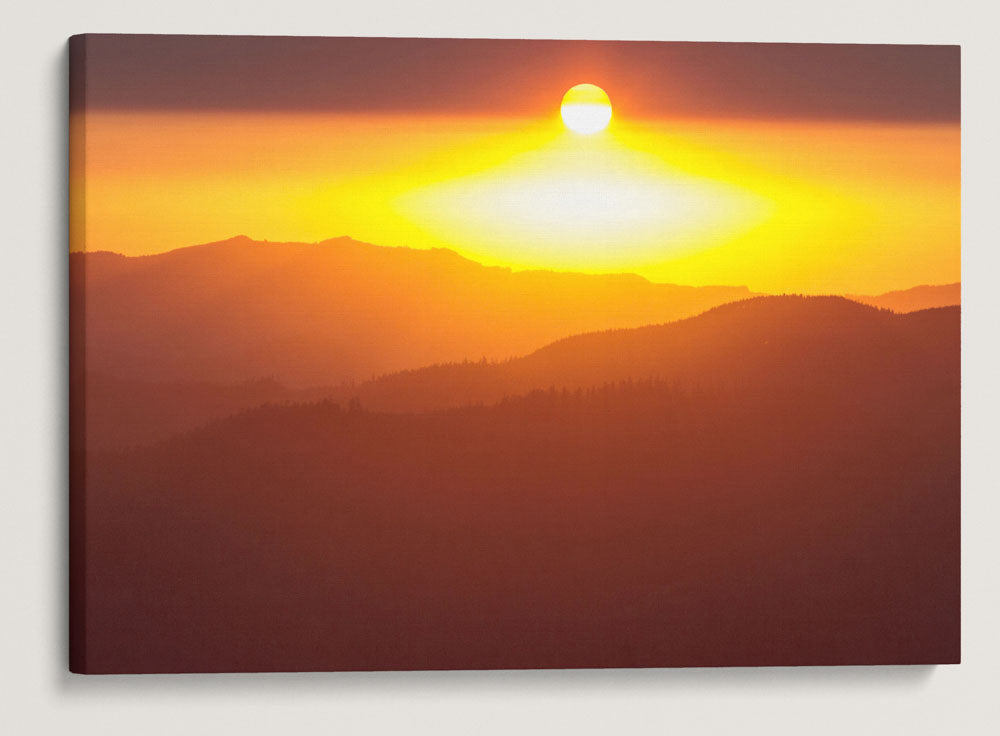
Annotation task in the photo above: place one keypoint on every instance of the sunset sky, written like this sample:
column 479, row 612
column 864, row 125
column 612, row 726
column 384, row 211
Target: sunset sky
column 805, row 168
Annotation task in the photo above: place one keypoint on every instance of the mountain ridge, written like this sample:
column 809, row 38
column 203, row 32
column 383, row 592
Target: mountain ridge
column 341, row 240
column 743, row 343
column 915, row 298
column 774, row 336
column 238, row 310
column 931, row 294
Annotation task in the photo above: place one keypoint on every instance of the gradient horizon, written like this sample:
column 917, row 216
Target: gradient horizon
column 720, row 165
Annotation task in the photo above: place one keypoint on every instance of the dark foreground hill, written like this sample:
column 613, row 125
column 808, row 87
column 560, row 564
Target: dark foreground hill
column 323, row 313
column 807, row 516
column 121, row 412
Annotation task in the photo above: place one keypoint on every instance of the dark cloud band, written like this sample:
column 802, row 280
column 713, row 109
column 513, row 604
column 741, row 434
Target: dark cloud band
column 519, row 77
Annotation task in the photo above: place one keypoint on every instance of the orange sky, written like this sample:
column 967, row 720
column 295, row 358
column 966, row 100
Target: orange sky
column 778, row 205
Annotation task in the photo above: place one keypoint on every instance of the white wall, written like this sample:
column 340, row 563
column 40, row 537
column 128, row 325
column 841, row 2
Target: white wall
column 37, row 695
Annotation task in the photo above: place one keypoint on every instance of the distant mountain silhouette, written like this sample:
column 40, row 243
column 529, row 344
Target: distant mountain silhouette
column 320, row 314
column 912, row 300
column 786, row 491
column 762, row 341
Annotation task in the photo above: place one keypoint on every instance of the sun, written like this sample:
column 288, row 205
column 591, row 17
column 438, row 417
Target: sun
column 586, row 109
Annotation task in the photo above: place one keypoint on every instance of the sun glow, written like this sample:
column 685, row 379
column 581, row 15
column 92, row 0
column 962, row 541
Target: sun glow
column 589, row 204
column 586, row 109
column 779, row 206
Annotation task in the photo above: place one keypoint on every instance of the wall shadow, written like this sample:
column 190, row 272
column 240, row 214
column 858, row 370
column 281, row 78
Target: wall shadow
column 508, row 682
column 59, row 109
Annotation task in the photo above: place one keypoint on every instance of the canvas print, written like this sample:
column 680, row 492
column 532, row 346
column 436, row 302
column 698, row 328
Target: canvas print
column 402, row 354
